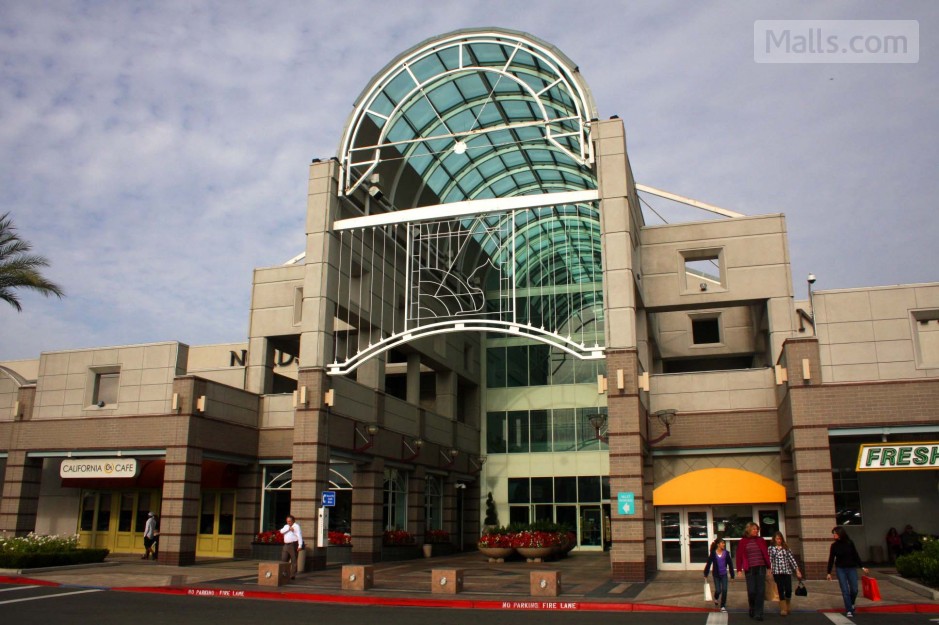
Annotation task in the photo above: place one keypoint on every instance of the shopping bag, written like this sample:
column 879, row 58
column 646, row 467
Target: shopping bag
column 707, row 592
column 870, row 587
column 801, row 591
column 771, row 593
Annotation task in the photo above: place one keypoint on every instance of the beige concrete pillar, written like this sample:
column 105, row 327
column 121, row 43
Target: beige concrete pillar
column 182, row 492
column 310, row 462
column 414, row 379
column 447, row 393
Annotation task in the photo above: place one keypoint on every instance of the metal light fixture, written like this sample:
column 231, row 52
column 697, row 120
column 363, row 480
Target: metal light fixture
column 666, row 417
column 597, row 422
column 366, row 433
column 449, row 456
column 411, row 450
column 477, row 463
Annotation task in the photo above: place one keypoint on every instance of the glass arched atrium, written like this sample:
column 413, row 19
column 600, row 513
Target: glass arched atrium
column 484, row 133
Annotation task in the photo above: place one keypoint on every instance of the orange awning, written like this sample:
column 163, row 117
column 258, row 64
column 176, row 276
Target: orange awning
column 718, row 486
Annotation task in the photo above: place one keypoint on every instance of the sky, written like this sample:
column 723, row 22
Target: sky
column 157, row 152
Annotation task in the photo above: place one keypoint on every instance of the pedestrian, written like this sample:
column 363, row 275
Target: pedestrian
column 783, row 565
column 293, row 542
column 151, row 534
column 753, row 560
column 844, row 557
column 894, row 544
column 910, row 541
column 723, row 567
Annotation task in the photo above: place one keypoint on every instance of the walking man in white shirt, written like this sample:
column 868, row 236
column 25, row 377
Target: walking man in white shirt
column 293, row 543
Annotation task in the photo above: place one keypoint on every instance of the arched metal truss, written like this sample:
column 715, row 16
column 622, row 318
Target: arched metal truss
column 478, row 144
column 473, row 114
column 529, row 271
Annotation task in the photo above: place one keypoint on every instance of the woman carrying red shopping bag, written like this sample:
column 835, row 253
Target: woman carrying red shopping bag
column 844, row 557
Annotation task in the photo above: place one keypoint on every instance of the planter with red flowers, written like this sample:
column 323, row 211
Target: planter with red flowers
column 339, row 549
column 267, row 545
column 496, row 545
column 537, row 545
column 399, row 545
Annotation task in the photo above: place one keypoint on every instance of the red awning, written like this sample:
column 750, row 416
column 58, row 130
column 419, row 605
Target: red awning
column 214, row 475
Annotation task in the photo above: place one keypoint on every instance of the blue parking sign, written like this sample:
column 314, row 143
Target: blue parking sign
column 626, row 503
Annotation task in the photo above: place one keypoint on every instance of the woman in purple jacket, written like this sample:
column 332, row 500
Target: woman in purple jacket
column 753, row 560
column 723, row 567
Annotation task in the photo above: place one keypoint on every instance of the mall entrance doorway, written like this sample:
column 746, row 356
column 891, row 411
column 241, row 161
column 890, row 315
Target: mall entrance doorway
column 683, row 535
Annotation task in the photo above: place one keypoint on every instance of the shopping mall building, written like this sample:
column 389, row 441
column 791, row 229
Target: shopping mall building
column 481, row 308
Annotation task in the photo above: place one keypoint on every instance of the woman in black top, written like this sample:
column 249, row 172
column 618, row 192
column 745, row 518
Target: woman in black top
column 844, row 557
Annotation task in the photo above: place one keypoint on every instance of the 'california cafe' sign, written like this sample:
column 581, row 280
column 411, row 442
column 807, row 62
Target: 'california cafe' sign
column 98, row 467
column 898, row 457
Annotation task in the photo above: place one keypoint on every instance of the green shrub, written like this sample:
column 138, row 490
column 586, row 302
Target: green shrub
column 39, row 551
column 35, row 560
column 922, row 565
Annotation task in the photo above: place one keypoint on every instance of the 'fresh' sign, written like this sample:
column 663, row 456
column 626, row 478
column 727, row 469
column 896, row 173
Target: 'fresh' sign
column 898, row 457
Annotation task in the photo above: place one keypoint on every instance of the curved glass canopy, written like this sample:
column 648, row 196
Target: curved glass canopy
column 477, row 116
column 471, row 115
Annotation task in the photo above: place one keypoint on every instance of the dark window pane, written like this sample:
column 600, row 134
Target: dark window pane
column 518, row 514
column 586, row 433
column 704, row 331
column 588, row 489
column 544, row 513
column 516, row 365
column 564, row 439
column 541, row 490
column 126, row 517
column 495, row 367
column 562, row 367
column 605, row 487
column 104, row 512
column 538, row 363
column 518, row 490
column 565, row 489
column 88, row 513
column 518, row 431
column 566, row 517
column 540, row 430
column 495, row 433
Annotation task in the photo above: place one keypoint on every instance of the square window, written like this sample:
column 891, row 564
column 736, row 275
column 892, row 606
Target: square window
column 105, row 388
column 702, row 270
column 705, row 330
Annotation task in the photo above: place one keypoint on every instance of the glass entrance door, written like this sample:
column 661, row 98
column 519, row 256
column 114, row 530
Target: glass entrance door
column 683, row 538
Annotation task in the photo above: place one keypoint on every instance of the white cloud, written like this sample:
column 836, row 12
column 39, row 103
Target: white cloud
column 156, row 153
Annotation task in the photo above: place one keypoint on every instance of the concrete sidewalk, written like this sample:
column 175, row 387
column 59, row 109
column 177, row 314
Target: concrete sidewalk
column 585, row 580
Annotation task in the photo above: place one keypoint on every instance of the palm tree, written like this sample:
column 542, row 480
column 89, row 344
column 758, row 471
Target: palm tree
column 18, row 268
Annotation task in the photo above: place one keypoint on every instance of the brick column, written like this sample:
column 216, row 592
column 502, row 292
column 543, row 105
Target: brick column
column 248, row 508
column 310, row 462
column 20, row 493
column 628, row 554
column 367, row 499
column 812, row 495
column 179, row 515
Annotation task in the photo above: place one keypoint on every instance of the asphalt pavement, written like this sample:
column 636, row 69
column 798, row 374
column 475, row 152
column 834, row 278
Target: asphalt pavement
column 586, row 586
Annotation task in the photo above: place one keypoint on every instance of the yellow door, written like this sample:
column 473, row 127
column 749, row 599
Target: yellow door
column 115, row 520
column 216, row 538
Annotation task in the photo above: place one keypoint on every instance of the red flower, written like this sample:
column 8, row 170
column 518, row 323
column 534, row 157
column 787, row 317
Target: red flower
column 437, row 536
column 536, row 538
column 496, row 540
column 339, row 538
column 397, row 537
column 272, row 537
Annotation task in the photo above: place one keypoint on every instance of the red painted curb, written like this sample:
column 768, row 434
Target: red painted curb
column 25, row 580
column 560, row 605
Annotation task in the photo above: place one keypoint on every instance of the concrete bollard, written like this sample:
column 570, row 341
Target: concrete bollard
column 273, row 573
column 357, row 577
column 446, row 581
column 545, row 583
